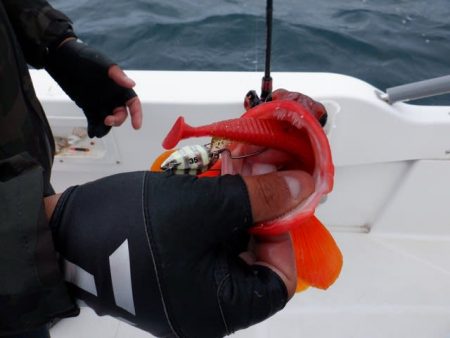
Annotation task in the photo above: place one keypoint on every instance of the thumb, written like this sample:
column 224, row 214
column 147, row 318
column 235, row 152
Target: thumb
column 272, row 195
column 119, row 77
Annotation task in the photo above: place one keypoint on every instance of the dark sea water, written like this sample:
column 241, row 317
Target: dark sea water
column 384, row 42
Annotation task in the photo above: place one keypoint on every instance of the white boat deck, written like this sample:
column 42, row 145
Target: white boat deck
column 389, row 288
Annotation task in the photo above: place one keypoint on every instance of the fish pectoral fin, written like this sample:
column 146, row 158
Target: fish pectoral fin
column 301, row 285
column 318, row 258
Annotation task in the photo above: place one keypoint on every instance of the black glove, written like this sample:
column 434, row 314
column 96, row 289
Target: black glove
column 82, row 73
column 182, row 235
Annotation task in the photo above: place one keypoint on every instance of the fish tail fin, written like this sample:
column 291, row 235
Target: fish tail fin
column 318, row 258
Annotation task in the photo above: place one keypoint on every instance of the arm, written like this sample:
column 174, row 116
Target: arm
column 39, row 28
column 96, row 84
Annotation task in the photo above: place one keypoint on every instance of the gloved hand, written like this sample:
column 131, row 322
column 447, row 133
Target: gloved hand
column 171, row 253
column 96, row 84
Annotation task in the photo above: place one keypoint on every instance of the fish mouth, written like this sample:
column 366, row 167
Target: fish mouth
column 280, row 135
column 250, row 160
column 272, row 160
column 246, row 160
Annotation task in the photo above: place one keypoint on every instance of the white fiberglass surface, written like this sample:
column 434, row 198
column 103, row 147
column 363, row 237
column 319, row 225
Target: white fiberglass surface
column 389, row 287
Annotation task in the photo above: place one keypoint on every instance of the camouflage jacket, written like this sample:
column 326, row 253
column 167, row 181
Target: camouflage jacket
column 32, row 291
column 28, row 29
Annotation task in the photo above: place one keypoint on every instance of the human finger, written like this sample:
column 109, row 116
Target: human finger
column 135, row 108
column 117, row 118
column 213, row 210
column 249, row 294
column 277, row 253
column 118, row 76
column 207, row 211
column 272, row 195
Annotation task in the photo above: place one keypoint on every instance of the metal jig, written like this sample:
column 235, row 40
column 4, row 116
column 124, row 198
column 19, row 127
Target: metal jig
column 196, row 159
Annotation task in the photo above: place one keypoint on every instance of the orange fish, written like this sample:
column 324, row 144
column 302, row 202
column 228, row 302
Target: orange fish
column 283, row 134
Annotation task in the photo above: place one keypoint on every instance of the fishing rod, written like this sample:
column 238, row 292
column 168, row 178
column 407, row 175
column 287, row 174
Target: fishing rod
column 266, row 86
column 252, row 99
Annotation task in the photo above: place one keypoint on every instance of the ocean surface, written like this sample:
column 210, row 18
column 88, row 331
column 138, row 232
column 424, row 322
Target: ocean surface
column 384, row 42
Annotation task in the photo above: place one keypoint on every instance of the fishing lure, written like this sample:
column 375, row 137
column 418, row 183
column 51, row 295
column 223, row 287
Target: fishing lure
column 191, row 160
column 197, row 159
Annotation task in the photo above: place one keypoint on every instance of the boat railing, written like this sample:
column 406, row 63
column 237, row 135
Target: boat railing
column 417, row 90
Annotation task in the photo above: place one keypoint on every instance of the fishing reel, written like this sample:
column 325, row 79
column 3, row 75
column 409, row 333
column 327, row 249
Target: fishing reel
column 252, row 100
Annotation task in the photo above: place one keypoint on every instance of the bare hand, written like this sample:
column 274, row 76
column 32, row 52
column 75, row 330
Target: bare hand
column 132, row 106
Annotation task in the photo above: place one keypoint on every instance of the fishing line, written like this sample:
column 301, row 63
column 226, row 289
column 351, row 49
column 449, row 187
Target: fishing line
column 251, row 98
